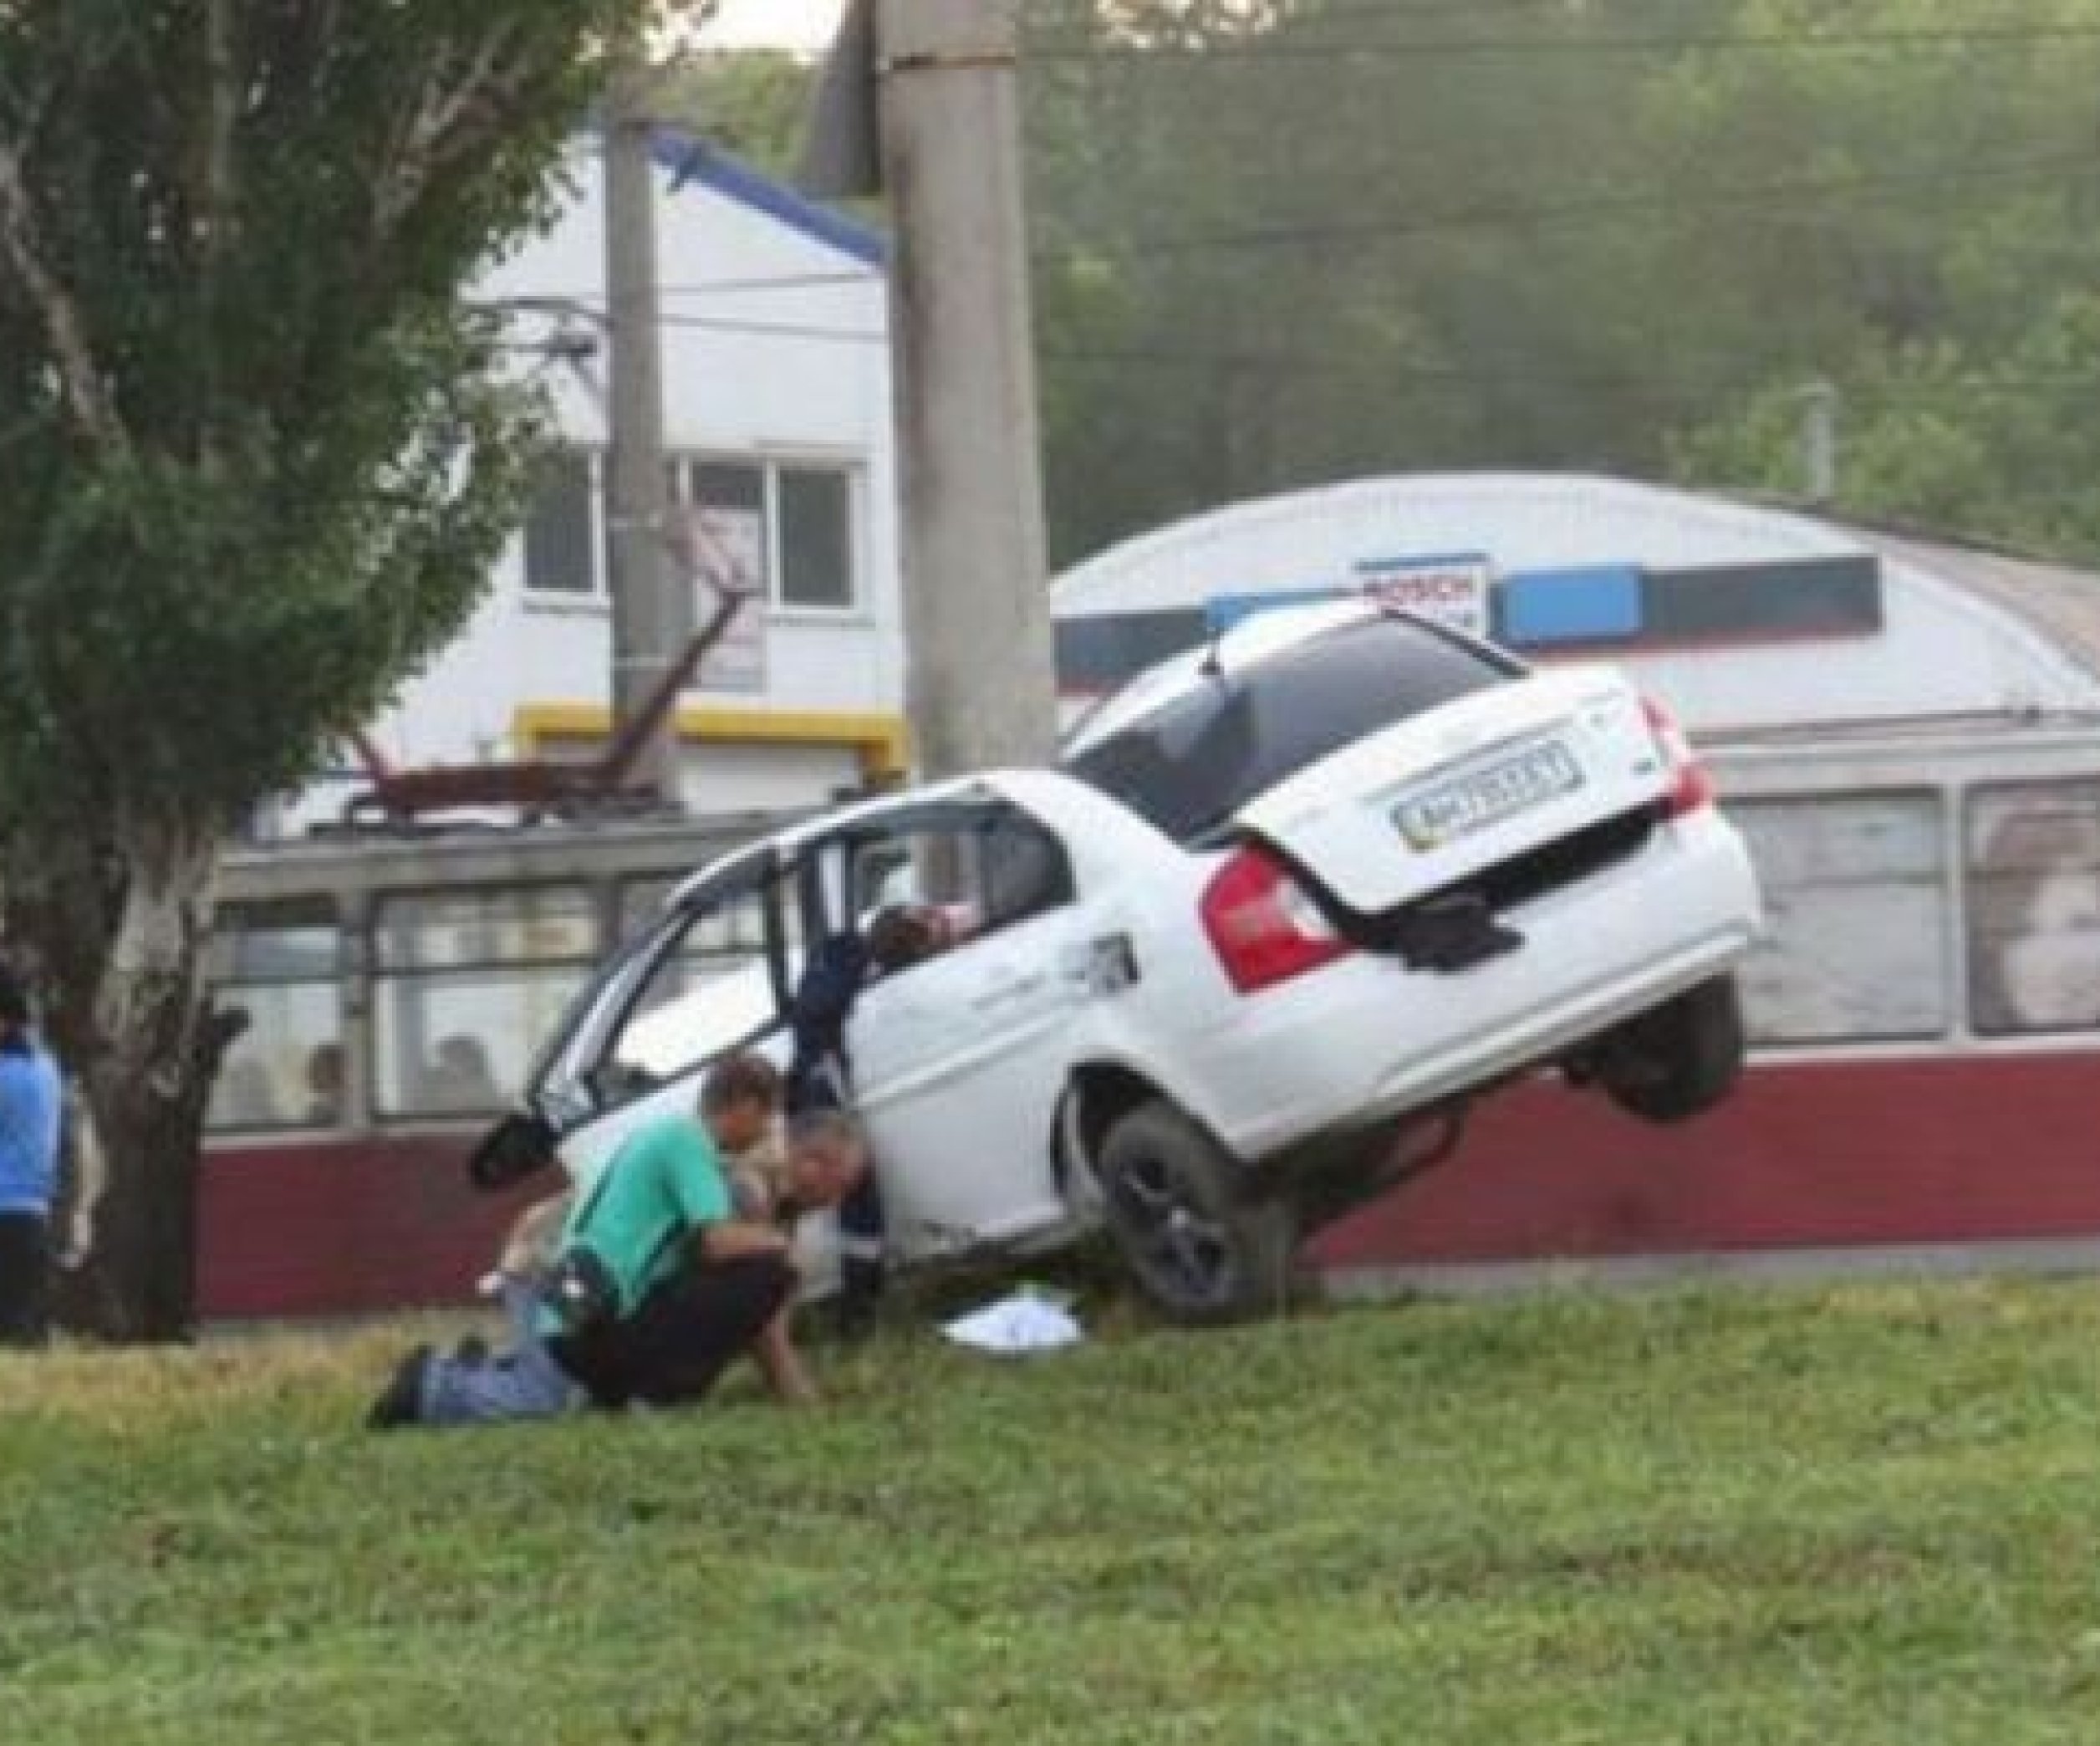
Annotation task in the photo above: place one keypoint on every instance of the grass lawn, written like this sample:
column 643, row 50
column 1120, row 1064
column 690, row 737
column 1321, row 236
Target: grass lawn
column 1863, row 1514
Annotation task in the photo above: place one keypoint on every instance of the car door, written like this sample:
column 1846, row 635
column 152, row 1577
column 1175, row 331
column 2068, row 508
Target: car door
column 708, row 978
column 958, row 1059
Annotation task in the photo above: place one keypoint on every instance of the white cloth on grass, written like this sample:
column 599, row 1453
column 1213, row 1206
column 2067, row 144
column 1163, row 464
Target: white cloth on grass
column 1024, row 1321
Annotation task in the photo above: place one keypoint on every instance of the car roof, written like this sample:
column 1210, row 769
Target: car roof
column 1015, row 784
column 1252, row 640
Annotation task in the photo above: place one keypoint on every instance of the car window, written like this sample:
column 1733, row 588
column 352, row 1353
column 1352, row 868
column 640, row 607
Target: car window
column 1189, row 765
column 710, row 988
column 1023, row 868
column 932, row 882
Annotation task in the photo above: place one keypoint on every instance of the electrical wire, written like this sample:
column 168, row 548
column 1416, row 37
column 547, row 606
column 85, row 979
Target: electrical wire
column 1645, row 203
column 1253, row 51
column 773, row 282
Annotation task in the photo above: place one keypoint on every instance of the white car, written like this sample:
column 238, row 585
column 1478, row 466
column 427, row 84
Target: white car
column 1287, row 903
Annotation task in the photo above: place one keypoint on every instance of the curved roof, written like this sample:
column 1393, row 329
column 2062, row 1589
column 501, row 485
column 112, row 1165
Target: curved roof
column 1953, row 627
column 2057, row 602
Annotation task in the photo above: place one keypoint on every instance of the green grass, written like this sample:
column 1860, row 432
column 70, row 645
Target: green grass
column 1868, row 1515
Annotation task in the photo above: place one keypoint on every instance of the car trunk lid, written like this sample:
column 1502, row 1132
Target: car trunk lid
column 1425, row 804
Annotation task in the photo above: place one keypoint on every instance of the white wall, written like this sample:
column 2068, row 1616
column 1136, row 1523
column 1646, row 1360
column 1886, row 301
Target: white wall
column 758, row 368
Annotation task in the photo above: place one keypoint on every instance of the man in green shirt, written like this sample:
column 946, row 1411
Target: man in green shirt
column 686, row 1282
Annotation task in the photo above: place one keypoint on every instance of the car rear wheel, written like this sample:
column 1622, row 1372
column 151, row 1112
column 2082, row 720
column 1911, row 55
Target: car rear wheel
column 1200, row 1247
column 1679, row 1059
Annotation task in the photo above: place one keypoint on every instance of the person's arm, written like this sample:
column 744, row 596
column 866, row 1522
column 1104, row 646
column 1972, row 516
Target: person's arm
column 718, row 1232
column 781, row 1365
column 727, row 1239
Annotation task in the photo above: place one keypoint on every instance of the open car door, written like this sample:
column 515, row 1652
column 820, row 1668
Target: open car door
column 707, row 976
column 958, row 1052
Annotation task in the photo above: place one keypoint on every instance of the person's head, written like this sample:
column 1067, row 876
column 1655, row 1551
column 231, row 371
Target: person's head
column 902, row 934
column 738, row 1100
column 827, row 1158
column 325, row 1070
column 465, row 1059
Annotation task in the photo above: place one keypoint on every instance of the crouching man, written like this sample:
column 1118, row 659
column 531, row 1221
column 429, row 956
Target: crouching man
column 661, row 1282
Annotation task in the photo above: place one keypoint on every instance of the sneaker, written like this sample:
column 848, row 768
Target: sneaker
column 401, row 1402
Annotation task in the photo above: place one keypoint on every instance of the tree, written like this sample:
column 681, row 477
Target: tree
column 751, row 103
column 1269, row 251
column 1286, row 240
column 255, row 462
column 1944, row 286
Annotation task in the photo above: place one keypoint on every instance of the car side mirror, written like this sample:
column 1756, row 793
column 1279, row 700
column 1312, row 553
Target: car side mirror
column 518, row 1147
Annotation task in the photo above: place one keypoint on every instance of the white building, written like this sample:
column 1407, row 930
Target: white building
column 1742, row 616
column 777, row 392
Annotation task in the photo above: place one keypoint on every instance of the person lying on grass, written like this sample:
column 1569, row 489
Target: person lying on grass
column 659, row 1283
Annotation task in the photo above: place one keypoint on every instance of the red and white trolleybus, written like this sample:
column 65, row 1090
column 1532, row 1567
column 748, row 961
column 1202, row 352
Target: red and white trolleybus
column 1925, row 1011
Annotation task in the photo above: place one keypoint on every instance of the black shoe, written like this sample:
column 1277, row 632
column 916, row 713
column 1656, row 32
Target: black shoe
column 401, row 1402
column 472, row 1349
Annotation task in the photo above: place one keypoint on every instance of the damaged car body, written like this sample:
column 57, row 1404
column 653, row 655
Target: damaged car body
column 1285, row 908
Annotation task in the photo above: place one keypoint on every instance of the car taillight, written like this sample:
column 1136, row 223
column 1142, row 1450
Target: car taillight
column 1262, row 925
column 1690, row 787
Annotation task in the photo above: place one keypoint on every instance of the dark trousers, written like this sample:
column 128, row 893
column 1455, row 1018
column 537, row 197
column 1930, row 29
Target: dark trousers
column 25, row 1279
column 683, row 1336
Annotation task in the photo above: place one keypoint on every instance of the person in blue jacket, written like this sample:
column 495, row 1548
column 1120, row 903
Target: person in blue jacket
column 29, row 1112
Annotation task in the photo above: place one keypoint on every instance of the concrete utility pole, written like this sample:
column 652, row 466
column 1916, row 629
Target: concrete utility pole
column 980, row 688
column 649, row 611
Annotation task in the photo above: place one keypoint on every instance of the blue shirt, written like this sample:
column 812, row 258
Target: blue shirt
column 30, row 1110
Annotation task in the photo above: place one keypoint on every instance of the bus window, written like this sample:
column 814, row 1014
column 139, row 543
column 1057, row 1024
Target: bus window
column 466, row 986
column 642, row 900
column 2034, row 908
column 280, row 964
column 1856, row 915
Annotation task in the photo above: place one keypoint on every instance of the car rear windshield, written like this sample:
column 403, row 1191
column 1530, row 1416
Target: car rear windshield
column 1190, row 765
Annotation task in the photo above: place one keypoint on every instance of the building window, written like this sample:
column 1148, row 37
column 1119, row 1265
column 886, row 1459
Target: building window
column 816, row 539
column 561, row 531
column 1855, row 918
column 789, row 527
column 732, row 500
column 2034, row 908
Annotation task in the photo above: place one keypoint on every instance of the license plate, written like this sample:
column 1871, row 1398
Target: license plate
column 1486, row 796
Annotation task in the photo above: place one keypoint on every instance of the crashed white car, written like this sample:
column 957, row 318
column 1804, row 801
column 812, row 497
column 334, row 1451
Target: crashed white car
column 1286, row 906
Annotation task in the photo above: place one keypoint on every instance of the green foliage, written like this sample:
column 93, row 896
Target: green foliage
column 1287, row 242
column 1862, row 1515
column 259, row 458
column 255, row 459
column 750, row 103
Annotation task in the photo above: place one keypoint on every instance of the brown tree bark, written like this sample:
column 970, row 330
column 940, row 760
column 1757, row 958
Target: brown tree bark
column 118, row 933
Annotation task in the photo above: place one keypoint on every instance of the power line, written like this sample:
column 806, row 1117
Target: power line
column 771, row 330
column 773, row 282
column 1565, row 385
column 1251, row 51
column 785, row 329
column 1082, row 17
column 1649, row 202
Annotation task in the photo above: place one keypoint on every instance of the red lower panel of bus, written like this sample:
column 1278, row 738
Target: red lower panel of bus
column 342, row 1228
column 1807, row 1155
column 1954, row 1149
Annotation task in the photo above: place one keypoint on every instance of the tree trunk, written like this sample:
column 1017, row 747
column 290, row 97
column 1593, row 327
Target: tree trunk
column 115, row 938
